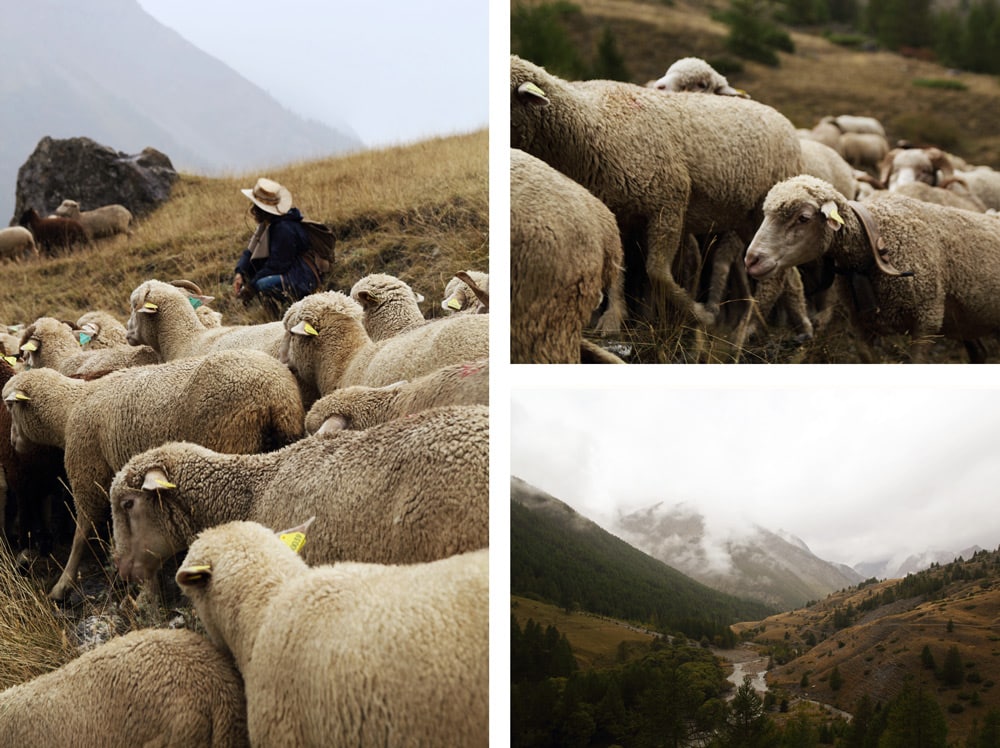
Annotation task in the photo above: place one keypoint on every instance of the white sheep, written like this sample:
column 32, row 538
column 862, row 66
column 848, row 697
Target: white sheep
column 48, row 342
column 694, row 75
column 864, row 150
column 376, row 655
column 459, row 296
column 428, row 500
column 390, row 305
column 101, row 222
column 664, row 165
column 233, row 401
column 100, row 329
column 17, row 243
column 163, row 317
column 855, row 123
column 564, row 249
column 149, row 687
column 953, row 255
column 327, row 347
column 977, row 189
column 359, row 407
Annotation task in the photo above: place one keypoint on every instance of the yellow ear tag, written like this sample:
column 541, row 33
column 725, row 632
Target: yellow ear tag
column 454, row 303
column 31, row 346
column 836, row 216
column 294, row 540
column 199, row 569
column 18, row 395
column 150, row 305
column 10, row 359
column 164, row 483
column 310, row 330
column 533, row 89
column 195, row 574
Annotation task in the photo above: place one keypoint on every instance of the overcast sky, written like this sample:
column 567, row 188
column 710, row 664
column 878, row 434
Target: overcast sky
column 394, row 71
column 859, row 472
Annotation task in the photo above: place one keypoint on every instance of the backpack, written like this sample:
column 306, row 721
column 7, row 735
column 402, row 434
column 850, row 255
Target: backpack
column 318, row 255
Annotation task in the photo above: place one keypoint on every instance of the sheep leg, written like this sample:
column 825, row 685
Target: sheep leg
column 69, row 572
column 664, row 238
column 728, row 250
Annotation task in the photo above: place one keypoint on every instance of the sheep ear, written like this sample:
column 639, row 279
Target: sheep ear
column 532, row 94
column 452, row 303
column 367, row 299
column 18, row 396
column 10, row 359
column 30, row 347
column 295, row 537
column 155, row 478
column 333, row 425
column 303, row 328
column 148, row 308
column 197, row 575
column 420, row 297
column 833, row 217
column 198, row 299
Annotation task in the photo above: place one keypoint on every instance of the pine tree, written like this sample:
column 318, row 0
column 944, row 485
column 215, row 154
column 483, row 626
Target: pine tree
column 953, row 671
column 915, row 721
column 927, row 658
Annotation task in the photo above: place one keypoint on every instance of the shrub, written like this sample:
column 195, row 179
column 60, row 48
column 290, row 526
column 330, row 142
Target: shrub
column 946, row 83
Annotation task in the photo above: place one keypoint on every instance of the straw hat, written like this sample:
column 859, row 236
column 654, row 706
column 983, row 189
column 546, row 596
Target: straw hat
column 270, row 196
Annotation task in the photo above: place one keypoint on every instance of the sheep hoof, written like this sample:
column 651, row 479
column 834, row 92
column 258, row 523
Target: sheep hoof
column 702, row 315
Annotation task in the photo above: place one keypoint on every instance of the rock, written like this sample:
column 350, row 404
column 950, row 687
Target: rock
column 93, row 175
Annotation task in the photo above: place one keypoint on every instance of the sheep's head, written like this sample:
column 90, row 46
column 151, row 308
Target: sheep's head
column 68, row 209
column 37, row 408
column 376, row 289
column 801, row 215
column 530, row 93
column 44, row 341
column 694, row 75
column 313, row 323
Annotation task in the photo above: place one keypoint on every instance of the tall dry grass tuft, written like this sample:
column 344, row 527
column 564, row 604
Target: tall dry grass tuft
column 417, row 211
column 32, row 638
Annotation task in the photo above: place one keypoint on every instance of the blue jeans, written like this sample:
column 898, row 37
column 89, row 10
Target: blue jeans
column 271, row 285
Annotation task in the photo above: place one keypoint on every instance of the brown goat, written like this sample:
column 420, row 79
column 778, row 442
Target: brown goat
column 53, row 233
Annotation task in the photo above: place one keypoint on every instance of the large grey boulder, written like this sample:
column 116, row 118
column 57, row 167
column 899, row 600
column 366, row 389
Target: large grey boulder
column 93, row 175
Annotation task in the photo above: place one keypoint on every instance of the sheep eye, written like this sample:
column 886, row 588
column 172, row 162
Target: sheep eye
column 127, row 504
column 804, row 218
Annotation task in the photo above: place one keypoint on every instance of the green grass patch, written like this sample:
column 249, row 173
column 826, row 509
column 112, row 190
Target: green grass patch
column 947, row 83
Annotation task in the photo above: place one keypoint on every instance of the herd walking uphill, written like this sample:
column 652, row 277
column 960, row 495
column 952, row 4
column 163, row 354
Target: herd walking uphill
column 380, row 655
column 101, row 423
column 148, row 687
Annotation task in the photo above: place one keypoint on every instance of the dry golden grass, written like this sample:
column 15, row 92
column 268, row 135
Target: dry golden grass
column 419, row 212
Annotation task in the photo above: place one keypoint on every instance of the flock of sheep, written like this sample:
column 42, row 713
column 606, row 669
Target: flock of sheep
column 61, row 231
column 353, row 415
column 714, row 213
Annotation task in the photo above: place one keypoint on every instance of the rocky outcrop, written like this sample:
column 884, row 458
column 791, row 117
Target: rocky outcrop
column 93, row 175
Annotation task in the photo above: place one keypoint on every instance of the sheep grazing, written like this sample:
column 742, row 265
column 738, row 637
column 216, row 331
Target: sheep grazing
column 462, row 296
column 934, row 167
column 422, row 681
column 149, row 687
column 17, row 243
column 564, row 249
column 694, row 75
column 163, row 317
column 232, row 401
column 430, row 500
column 99, row 329
column 53, row 234
column 327, row 347
column 389, row 304
column 105, row 221
column 954, row 257
column 361, row 407
column 48, row 342
column 855, row 123
column 664, row 165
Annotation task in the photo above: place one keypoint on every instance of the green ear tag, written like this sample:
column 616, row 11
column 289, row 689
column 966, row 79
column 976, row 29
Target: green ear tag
column 195, row 303
column 84, row 338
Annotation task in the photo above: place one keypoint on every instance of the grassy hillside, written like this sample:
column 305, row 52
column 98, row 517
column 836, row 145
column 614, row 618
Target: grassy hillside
column 560, row 557
column 419, row 212
column 874, row 635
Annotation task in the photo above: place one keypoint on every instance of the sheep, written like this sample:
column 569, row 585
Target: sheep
column 381, row 655
column 694, row 75
column 48, row 342
column 53, row 234
column 16, row 243
column 864, row 150
column 232, row 401
column 360, row 407
column 459, row 296
column 932, row 166
column 953, row 255
column 100, row 329
column 327, row 347
column 428, row 501
column 943, row 194
column 162, row 317
column 149, row 687
column 389, row 304
column 602, row 135
column 564, row 248
column 855, row 123
column 105, row 221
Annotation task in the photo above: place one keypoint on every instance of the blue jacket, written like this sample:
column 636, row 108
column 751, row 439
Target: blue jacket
column 287, row 240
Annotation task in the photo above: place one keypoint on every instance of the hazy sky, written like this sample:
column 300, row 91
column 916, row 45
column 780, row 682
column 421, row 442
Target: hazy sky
column 394, row 71
column 861, row 466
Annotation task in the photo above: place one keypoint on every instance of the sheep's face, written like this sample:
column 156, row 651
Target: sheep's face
column 530, row 90
column 912, row 165
column 145, row 534
column 142, row 321
column 27, row 402
column 797, row 233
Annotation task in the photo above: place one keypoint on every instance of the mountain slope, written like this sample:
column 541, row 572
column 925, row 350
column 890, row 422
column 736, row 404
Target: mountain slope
column 109, row 71
column 762, row 565
column 560, row 556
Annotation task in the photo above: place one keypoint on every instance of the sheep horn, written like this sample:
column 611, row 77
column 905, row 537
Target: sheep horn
column 875, row 241
column 187, row 285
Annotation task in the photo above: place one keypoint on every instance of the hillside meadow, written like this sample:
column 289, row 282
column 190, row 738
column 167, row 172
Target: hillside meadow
column 416, row 211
